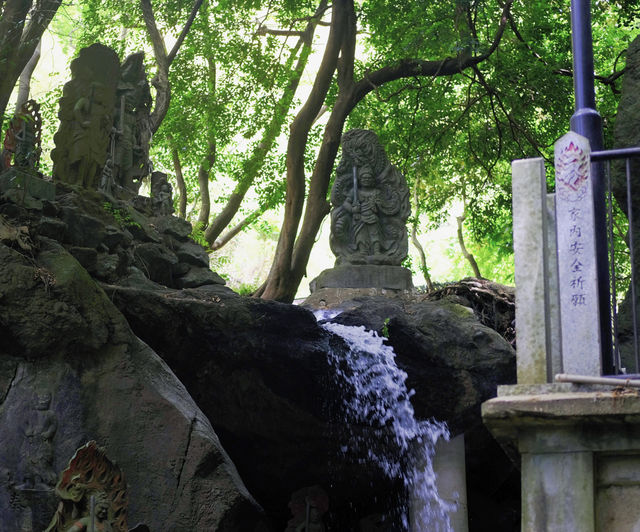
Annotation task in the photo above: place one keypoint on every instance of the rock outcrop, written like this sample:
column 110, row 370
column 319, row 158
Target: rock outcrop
column 114, row 315
column 73, row 371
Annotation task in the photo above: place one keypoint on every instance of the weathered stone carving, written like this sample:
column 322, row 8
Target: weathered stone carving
column 86, row 109
column 39, row 429
column 21, row 147
column 161, row 194
column 104, row 134
column 93, row 492
column 370, row 201
column 132, row 130
column 307, row 506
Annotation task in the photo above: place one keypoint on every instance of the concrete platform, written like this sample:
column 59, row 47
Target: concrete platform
column 579, row 451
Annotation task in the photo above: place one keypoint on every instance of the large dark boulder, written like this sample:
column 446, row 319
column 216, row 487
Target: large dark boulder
column 72, row 371
column 260, row 373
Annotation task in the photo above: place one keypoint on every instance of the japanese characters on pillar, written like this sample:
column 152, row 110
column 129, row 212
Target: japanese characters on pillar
column 577, row 257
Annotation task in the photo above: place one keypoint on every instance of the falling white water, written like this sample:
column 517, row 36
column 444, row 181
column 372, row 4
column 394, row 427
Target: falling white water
column 379, row 398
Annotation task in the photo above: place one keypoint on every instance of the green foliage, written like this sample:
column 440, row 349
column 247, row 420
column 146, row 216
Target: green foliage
column 452, row 136
column 246, row 289
column 197, row 234
column 385, row 327
column 120, row 215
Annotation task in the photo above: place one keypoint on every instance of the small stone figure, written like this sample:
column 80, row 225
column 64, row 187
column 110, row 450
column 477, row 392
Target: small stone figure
column 307, row 506
column 370, row 201
column 21, row 147
column 28, row 140
column 91, row 474
column 161, row 194
column 85, row 113
column 39, row 429
column 106, row 180
column 132, row 129
column 313, row 521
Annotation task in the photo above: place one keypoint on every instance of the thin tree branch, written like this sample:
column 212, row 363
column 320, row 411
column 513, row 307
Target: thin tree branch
column 185, row 30
column 605, row 80
column 236, row 229
column 416, row 67
column 263, row 30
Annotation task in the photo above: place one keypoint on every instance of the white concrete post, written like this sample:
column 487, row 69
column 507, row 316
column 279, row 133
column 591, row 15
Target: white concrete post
column 451, row 479
column 531, row 274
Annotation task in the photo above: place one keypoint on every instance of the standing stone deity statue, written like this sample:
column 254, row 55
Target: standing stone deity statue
column 161, row 194
column 370, row 200
column 39, row 428
column 86, row 110
column 131, row 133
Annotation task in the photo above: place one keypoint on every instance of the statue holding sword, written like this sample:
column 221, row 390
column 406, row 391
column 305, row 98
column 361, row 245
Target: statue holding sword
column 370, row 200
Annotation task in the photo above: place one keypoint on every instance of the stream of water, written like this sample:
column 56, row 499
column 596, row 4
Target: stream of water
column 405, row 447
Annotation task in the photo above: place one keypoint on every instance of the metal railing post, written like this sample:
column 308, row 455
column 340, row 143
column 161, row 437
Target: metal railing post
column 587, row 122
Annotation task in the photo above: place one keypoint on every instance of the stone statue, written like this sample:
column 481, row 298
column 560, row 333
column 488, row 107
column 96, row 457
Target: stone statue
column 39, row 429
column 93, row 494
column 86, row 117
column 21, row 147
column 161, row 194
column 370, row 200
column 98, row 518
column 132, row 129
column 307, row 506
column 313, row 521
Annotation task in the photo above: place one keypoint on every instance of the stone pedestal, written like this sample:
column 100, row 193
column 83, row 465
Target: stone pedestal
column 364, row 276
column 580, row 454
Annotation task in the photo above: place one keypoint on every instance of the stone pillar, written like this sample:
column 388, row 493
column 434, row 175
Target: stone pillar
column 557, row 492
column 553, row 299
column 579, row 449
column 578, row 283
column 449, row 466
column 531, row 270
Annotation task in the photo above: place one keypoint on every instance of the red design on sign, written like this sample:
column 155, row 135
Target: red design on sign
column 572, row 172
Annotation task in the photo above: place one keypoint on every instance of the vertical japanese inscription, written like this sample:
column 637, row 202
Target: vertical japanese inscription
column 576, row 256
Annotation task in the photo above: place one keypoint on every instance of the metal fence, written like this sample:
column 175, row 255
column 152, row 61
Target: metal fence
column 622, row 245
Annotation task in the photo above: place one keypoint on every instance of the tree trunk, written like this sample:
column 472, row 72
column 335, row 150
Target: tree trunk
column 182, row 187
column 423, row 258
column 19, row 39
column 235, row 230
column 290, row 260
column 163, row 59
column 203, row 183
column 251, row 167
column 24, row 82
column 465, row 252
column 284, row 276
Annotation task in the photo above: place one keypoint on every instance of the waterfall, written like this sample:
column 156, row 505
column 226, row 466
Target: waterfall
column 402, row 447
